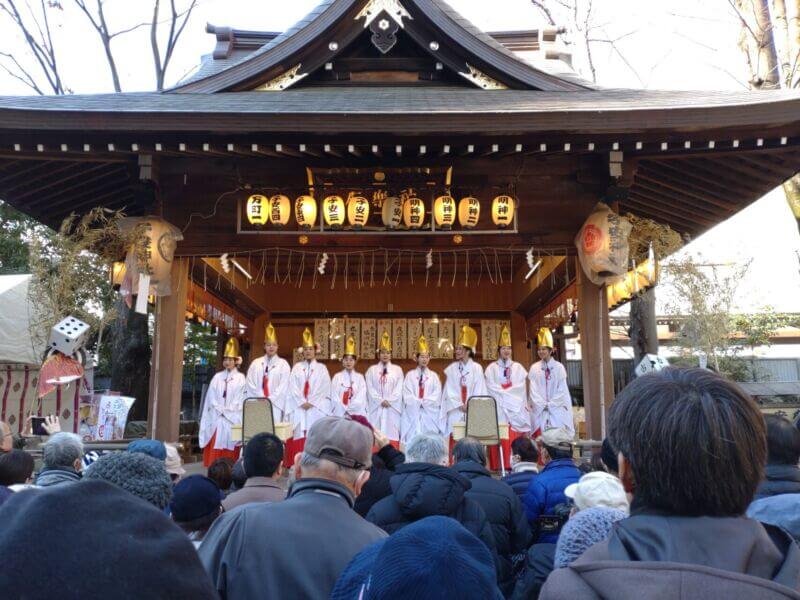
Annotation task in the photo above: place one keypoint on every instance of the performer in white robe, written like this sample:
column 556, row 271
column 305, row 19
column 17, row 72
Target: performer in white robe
column 505, row 381
column 422, row 397
column 309, row 396
column 548, row 391
column 223, row 409
column 349, row 388
column 463, row 379
column 385, row 393
column 268, row 377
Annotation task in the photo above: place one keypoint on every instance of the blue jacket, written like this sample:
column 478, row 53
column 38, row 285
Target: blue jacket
column 519, row 482
column 546, row 490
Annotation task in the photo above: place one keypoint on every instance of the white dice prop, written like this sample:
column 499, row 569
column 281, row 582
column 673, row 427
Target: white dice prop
column 68, row 336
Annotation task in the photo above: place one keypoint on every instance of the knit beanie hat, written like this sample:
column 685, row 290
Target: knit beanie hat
column 137, row 473
column 435, row 557
column 583, row 530
column 152, row 448
column 195, row 497
column 93, row 540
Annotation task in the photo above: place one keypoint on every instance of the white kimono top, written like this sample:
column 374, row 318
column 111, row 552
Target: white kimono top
column 422, row 404
column 310, row 383
column 270, row 378
column 506, row 384
column 349, row 394
column 385, row 383
column 462, row 382
column 222, row 409
column 549, row 395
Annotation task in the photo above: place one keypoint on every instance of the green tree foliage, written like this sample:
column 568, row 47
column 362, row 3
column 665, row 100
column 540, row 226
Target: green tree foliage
column 16, row 232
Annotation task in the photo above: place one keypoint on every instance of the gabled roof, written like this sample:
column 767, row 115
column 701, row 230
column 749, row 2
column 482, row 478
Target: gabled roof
column 324, row 33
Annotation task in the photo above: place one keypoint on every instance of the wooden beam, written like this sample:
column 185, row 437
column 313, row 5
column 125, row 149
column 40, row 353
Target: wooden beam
column 519, row 339
column 166, row 376
column 59, row 181
column 693, row 204
column 595, row 340
column 671, row 205
column 701, row 193
column 646, row 207
column 32, row 179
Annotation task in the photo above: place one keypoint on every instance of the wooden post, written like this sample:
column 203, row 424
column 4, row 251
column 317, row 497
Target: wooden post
column 519, row 339
column 257, row 336
column 166, row 375
column 598, row 375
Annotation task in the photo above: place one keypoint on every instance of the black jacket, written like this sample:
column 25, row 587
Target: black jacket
column 519, row 481
column 422, row 490
column 377, row 487
column 504, row 511
column 779, row 479
column 538, row 566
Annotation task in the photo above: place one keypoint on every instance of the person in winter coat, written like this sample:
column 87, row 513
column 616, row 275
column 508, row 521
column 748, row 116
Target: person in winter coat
column 692, row 448
column 524, row 457
column 61, row 456
column 546, row 490
column 424, row 486
column 137, row 473
column 384, row 462
column 501, row 505
column 782, row 475
column 296, row 549
column 782, row 511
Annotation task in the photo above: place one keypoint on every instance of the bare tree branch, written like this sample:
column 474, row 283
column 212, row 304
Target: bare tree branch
column 542, row 8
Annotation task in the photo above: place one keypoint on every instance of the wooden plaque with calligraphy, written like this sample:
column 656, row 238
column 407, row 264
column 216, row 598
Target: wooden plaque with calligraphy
column 368, row 339
column 321, row 336
column 399, row 339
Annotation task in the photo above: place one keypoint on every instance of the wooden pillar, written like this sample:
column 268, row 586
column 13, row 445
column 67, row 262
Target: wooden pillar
column 166, row 375
column 598, row 374
column 519, row 339
column 257, row 336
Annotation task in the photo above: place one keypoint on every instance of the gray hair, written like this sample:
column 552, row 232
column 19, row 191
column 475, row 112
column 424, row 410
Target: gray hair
column 62, row 450
column 469, row 449
column 328, row 469
column 427, row 448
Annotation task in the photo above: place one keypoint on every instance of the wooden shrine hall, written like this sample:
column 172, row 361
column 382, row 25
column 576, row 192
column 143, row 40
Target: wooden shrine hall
column 386, row 164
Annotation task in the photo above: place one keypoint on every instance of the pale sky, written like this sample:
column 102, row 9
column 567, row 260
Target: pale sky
column 681, row 44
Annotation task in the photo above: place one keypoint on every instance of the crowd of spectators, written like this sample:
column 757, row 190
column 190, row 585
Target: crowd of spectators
column 694, row 494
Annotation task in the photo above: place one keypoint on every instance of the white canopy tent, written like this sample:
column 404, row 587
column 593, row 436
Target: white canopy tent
column 16, row 311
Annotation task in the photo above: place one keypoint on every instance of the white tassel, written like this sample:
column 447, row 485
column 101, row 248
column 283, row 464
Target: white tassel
column 226, row 265
column 322, row 262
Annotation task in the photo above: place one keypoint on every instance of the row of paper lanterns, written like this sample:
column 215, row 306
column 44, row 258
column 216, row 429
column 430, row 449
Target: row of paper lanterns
column 409, row 211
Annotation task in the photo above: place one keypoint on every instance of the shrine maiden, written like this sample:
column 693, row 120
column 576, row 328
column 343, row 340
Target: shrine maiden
column 385, row 393
column 422, row 397
column 223, row 409
column 548, row 392
column 505, row 381
column 349, row 388
column 268, row 377
column 463, row 379
column 309, row 396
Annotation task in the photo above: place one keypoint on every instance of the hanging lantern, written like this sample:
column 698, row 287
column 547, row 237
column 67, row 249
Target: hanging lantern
column 357, row 211
column 392, row 212
column 469, row 211
column 414, row 212
column 279, row 209
column 503, row 211
column 305, row 211
column 444, row 211
column 333, row 211
column 257, row 213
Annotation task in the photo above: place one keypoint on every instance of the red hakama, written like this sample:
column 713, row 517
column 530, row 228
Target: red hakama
column 210, row 454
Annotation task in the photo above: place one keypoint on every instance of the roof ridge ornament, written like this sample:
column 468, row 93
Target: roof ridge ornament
column 482, row 80
column 283, row 81
column 373, row 8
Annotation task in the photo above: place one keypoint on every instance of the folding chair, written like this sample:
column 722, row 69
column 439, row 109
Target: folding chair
column 483, row 424
column 256, row 418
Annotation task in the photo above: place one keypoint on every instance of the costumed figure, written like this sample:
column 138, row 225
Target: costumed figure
column 422, row 397
column 505, row 381
column 463, row 379
column 268, row 377
column 223, row 409
column 547, row 388
column 349, row 388
column 385, row 393
column 309, row 396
